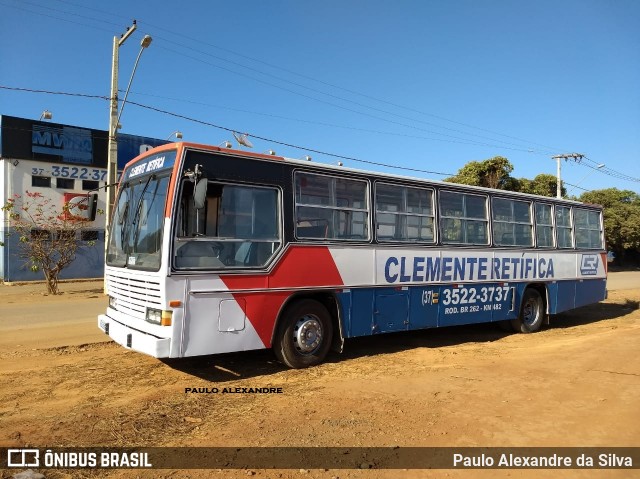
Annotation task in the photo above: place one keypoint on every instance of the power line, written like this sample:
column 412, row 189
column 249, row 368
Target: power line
column 62, row 19
column 188, row 47
column 336, row 97
column 231, row 130
column 290, row 145
column 182, row 35
column 66, row 12
column 387, row 120
column 49, row 92
column 332, row 125
column 575, row 186
column 604, row 170
column 609, row 171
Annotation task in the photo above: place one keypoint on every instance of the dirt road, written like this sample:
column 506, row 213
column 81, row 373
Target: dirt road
column 576, row 383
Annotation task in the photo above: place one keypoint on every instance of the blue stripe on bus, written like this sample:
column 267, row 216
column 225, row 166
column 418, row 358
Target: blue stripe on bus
column 367, row 311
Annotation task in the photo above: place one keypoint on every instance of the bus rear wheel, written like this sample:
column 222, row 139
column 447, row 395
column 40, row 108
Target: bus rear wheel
column 304, row 335
column 531, row 313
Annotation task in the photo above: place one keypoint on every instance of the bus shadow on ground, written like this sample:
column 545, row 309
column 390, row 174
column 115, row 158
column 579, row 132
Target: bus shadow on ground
column 224, row 368
column 594, row 313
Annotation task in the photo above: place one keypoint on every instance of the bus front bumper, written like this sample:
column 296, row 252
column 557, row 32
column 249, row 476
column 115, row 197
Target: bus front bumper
column 133, row 339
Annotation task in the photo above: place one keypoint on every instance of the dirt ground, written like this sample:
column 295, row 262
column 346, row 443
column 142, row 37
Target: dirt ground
column 575, row 383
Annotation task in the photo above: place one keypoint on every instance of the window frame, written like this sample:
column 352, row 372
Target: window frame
column 177, row 240
column 405, row 188
column 553, row 224
column 570, row 228
column 41, row 178
column 600, row 228
column 366, row 210
column 513, row 223
column 89, row 235
column 464, row 219
column 95, row 183
column 71, row 183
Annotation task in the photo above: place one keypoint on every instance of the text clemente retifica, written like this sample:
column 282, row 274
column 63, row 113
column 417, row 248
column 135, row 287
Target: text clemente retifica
column 234, row 390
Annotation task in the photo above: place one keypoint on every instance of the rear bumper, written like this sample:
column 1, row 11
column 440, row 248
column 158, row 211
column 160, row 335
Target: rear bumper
column 133, row 339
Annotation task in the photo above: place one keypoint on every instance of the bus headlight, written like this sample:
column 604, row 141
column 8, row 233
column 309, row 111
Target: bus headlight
column 112, row 302
column 154, row 316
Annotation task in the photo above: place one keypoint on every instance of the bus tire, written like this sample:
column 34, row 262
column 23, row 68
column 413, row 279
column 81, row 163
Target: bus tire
column 304, row 336
column 531, row 313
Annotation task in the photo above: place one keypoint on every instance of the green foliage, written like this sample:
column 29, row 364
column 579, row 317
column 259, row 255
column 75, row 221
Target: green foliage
column 621, row 218
column 491, row 173
column 544, row 185
column 496, row 173
column 621, row 207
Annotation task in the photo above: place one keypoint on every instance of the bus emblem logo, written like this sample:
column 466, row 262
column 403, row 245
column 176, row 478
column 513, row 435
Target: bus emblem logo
column 589, row 265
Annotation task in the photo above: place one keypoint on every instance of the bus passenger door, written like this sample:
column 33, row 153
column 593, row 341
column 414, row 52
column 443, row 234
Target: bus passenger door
column 391, row 310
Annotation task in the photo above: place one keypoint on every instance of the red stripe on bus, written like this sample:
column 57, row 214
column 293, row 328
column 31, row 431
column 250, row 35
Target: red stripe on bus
column 307, row 267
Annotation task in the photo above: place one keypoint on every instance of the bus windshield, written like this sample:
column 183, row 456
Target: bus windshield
column 135, row 236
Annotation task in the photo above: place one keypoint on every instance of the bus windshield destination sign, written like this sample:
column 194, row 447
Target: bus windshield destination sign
column 151, row 164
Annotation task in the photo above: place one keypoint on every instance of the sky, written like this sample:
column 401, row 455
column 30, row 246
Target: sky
column 412, row 87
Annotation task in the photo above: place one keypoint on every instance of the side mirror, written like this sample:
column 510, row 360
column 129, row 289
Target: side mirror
column 200, row 194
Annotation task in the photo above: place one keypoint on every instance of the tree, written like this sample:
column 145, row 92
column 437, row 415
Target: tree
column 496, row 173
column 492, row 173
column 47, row 235
column 544, row 185
column 621, row 218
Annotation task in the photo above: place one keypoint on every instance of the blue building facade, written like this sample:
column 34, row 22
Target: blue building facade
column 60, row 162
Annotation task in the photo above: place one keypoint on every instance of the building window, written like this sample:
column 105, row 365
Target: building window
column 512, row 223
column 89, row 185
column 464, row 218
column 331, row 208
column 544, row 225
column 588, row 228
column 65, row 183
column 41, row 181
column 89, row 235
column 66, row 235
column 40, row 235
column 564, row 227
column 404, row 214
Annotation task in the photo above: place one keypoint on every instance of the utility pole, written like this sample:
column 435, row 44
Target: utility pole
column 112, row 158
column 577, row 157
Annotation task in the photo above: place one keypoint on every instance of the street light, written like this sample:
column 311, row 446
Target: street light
column 177, row 133
column 46, row 115
column 114, row 121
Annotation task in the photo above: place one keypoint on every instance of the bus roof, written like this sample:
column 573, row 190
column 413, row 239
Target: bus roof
column 180, row 146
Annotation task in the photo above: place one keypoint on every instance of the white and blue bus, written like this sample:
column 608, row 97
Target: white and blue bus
column 216, row 250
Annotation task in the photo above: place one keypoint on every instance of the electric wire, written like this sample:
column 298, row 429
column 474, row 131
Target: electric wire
column 182, row 35
column 604, row 170
column 232, row 130
column 313, row 122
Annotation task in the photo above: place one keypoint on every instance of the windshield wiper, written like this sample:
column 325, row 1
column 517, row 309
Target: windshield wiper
column 136, row 232
column 139, row 205
column 126, row 228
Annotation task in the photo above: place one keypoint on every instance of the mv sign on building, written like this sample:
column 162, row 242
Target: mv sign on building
column 67, row 164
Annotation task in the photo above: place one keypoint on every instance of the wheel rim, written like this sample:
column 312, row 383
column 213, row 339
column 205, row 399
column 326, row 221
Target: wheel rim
column 307, row 334
column 531, row 312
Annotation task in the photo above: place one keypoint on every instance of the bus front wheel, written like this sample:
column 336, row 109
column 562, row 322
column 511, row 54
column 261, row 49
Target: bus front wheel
column 304, row 335
column 531, row 313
